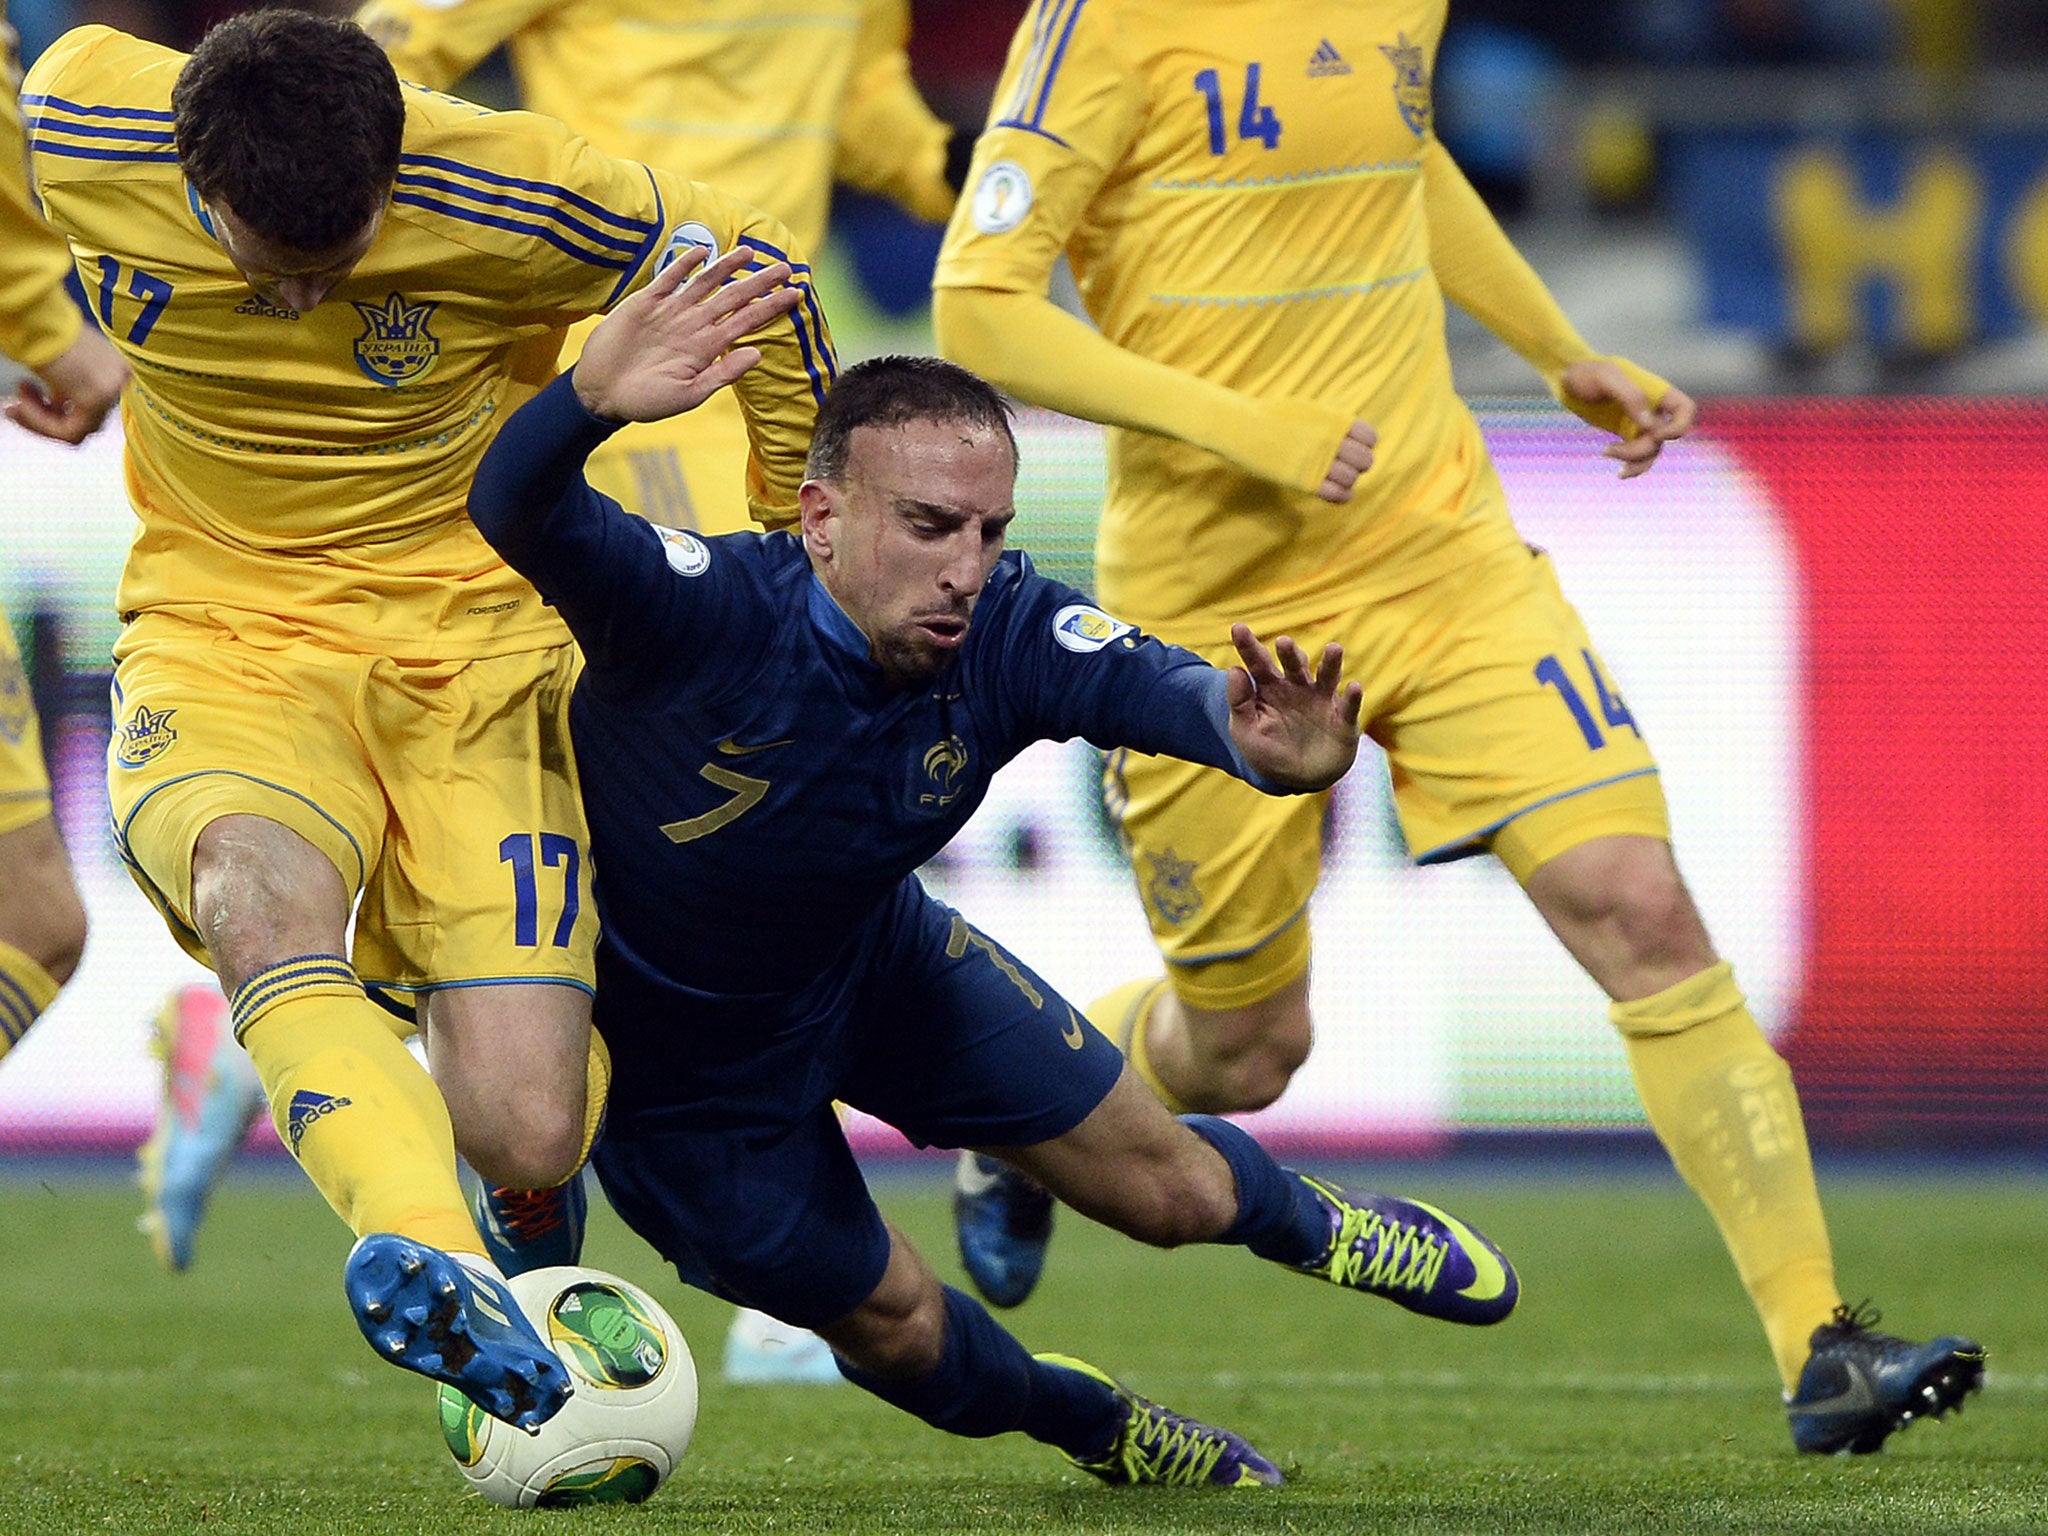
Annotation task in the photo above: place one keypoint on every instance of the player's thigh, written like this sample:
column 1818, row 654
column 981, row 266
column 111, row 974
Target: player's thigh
column 1224, row 872
column 485, row 875
column 689, row 471
column 206, row 727
column 772, row 1215
column 1513, row 718
column 957, row 1043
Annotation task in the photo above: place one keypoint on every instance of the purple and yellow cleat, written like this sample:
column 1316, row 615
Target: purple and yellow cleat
column 1157, row 1445
column 1414, row 1255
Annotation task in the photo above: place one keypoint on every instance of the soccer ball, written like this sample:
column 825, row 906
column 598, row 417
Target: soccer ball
column 620, row 1436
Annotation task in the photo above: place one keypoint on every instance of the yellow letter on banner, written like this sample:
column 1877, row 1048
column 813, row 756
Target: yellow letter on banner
column 1924, row 244
column 2026, row 254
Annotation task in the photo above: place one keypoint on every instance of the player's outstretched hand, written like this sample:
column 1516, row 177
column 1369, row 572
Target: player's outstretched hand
column 78, row 388
column 1354, row 458
column 1297, row 729
column 1645, row 426
column 672, row 346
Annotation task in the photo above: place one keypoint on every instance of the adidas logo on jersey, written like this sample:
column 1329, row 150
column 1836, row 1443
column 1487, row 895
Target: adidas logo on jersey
column 307, row 1107
column 1326, row 60
column 263, row 309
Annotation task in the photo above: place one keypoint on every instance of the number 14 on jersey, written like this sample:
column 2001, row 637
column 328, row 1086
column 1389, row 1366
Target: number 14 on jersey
column 1254, row 120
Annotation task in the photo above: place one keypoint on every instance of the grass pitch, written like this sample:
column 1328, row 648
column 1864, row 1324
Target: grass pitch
column 1631, row 1392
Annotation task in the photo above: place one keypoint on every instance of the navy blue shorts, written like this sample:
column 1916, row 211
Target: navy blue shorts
column 722, row 1147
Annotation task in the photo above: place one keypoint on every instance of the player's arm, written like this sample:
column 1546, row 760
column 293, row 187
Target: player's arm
column 665, row 350
column 1278, row 722
column 1479, row 268
column 40, row 328
column 888, row 140
column 435, row 43
column 1053, row 138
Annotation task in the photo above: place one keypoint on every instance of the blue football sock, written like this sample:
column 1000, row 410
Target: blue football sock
column 986, row 1383
column 1278, row 1216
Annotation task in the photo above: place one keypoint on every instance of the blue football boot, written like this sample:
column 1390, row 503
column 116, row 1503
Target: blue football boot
column 527, row 1229
column 211, row 1096
column 1003, row 1221
column 427, row 1311
column 1859, row 1385
column 1156, row 1445
column 1413, row 1254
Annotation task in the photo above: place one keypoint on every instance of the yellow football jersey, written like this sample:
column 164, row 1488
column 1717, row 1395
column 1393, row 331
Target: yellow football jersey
column 754, row 96
column 310, row 470
column 1239, row 187
column 37, row 318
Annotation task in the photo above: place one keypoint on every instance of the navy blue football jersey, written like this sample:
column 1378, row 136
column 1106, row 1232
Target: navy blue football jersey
column 755, row 788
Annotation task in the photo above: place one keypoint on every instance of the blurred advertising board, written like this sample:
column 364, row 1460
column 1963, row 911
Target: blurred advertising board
column 1911, row 242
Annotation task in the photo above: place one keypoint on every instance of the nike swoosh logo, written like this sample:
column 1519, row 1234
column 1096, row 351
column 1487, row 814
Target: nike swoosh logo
column 1072, row 1033
column 1489, row 1276
column 732, row 748
column 1857, row 1398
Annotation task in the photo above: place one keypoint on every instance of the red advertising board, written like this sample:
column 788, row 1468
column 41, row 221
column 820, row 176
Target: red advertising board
column 1922, row 537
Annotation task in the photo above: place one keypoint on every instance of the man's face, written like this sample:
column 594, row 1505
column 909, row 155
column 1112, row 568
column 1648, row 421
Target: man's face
column 291, row 279
column 906, row 538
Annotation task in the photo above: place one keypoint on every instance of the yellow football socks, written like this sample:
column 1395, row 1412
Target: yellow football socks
column 1721, row 1100
column 26, row 989
column 1122, row 1014
column 360, row 1115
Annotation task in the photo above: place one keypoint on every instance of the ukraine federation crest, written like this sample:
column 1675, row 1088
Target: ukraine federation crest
column 396, row 347
column 1172, row 890
column 1411, row 82
column 147, row 734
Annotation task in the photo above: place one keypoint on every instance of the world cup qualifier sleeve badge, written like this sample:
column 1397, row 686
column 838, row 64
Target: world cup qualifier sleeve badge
column 396, row 347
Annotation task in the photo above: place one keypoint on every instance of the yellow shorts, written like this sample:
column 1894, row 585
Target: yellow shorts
column 445, row 793
column 689, row 471
column 24, row 780
column 1503, row 730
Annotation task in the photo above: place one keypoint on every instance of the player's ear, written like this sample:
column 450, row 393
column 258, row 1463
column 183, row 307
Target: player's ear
column 815, row 505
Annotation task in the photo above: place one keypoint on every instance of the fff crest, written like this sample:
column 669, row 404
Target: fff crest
column 1411, row 82
column 944, row 766
column 396, row 347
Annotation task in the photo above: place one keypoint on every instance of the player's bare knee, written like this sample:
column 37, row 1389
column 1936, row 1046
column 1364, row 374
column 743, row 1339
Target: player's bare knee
column 1655, row 916
column 52, row 934
column 262, row 894
column 533, row 1150
column 1246, row 1057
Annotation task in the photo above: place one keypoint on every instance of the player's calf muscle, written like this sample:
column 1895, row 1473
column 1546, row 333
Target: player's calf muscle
column 1226, row 1061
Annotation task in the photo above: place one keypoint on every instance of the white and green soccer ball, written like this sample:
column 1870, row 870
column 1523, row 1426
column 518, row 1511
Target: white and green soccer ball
column 620, row 1436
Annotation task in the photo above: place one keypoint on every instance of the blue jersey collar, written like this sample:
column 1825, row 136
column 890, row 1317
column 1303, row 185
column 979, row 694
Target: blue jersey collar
column 834, row 624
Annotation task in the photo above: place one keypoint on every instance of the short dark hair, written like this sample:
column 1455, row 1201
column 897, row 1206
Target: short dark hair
column 294, row 121
column 892, row 391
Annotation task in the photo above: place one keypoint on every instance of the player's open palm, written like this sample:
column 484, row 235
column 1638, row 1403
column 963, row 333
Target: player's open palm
column 1296, row 727
column 674, row 344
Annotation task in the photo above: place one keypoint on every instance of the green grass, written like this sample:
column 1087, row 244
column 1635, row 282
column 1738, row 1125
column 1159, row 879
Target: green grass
column 1631, row 1392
